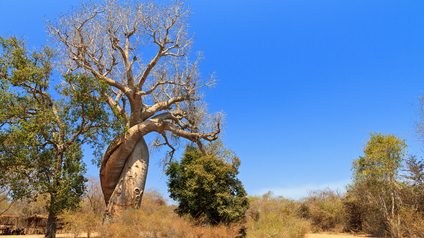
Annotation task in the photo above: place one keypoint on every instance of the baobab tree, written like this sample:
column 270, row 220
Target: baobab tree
column 139, row 55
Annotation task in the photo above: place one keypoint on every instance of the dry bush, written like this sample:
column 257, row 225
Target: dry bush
column 275, row 217
column 412, row 223
column 88, row 218
column 81, row 222
column 93, row 198
column 154, row 219
column 325, row 210
column 30, row 206
column 364, row 212
column 353, row 214
column 163, row 223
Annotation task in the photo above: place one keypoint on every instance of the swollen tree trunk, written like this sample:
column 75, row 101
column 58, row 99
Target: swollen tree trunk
column 123, row 179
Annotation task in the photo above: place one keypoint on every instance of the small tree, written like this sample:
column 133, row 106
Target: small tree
column 376, row 182
column 41, row 132
column 206, row 187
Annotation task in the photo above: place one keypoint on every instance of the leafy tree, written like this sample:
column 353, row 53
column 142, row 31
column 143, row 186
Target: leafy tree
column 206, row 187
column 41, row 131
column 138, row 55
column 376, row 183
column 382, row 159
column 386, row 198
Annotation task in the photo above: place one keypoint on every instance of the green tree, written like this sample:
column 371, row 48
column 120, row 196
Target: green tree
column 376, row 183
column 382, row 159
column 206, row 187
column 42, row 130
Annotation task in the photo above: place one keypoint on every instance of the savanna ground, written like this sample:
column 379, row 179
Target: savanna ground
column 321, row 214
column 316, row 235
column 267, row 217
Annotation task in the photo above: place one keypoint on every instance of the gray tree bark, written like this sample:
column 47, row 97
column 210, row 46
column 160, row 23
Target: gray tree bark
column 128, row 180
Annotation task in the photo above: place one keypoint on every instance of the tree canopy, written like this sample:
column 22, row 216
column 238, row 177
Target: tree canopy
column 206, row 187
column 42, row 129
column 382, row 158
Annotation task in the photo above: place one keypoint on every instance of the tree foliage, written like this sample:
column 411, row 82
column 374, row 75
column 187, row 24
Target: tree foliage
column 206, row 187
column 42, row 129
column 382, row 159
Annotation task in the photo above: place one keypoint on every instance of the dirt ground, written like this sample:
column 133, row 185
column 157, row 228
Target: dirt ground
column 332, row 235
column 38, row 236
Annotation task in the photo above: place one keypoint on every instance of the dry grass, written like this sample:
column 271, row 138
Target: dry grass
column 154, row 219
column 162, row 223
column 317, row 235
column 268, row 217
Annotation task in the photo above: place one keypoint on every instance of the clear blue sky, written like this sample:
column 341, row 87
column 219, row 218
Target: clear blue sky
column 302, row 82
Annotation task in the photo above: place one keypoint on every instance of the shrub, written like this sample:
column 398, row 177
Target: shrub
column 81, row 222
column 412, row 222
column 206, row 188
column 372, row 219
column 270, row 217
column 325, row 211
column 353, row 213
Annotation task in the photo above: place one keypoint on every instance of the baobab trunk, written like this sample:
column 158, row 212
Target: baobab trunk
column 123, row 179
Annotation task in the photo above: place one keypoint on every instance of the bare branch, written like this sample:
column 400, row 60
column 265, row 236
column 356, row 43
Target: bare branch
column 160, row 106
column 149, row 67
column 172, row 151
column 193, row 136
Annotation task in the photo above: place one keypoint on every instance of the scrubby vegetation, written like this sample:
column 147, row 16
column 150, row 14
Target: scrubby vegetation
column 155, row 219
column 267, row 217
column 385, row 199
column 275, row 217
column 325, row 210
column 386, row 196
